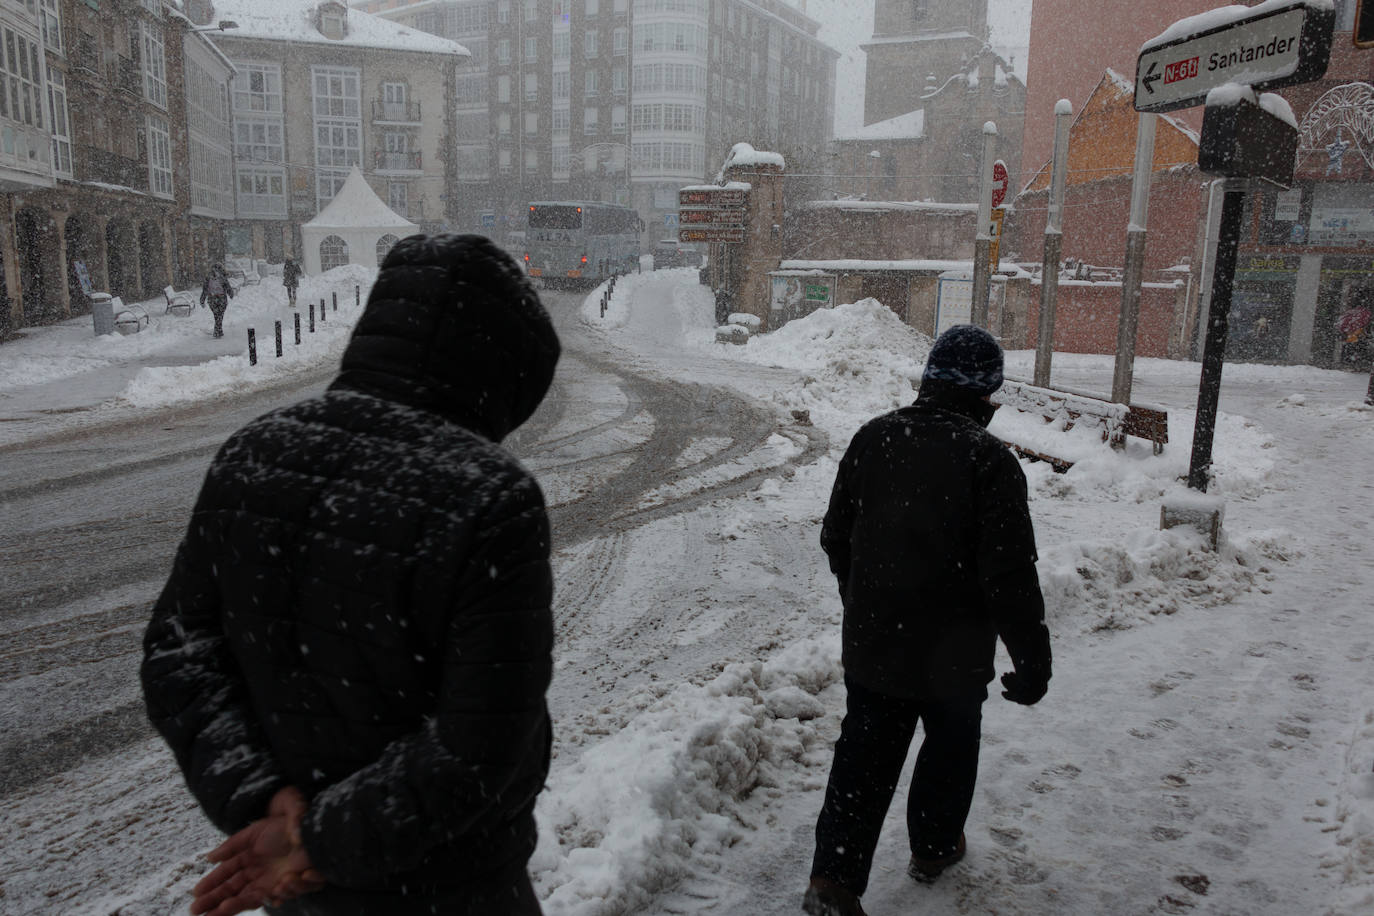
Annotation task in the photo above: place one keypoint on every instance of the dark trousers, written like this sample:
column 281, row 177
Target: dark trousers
column 217, row 306
column 291, row 296
column 874, row 740
column 505, row 893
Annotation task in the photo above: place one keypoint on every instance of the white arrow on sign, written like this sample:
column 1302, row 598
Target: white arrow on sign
column 1277, row 43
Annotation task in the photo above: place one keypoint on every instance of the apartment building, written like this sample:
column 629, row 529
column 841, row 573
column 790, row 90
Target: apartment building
column 318, row 89
column 107, row 174
column 620, row 100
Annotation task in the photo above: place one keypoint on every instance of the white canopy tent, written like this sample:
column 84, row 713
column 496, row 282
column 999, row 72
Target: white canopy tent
column 353, row 228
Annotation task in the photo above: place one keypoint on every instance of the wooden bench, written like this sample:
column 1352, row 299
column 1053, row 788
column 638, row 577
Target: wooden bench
column 1071, row 408
column 177, row 303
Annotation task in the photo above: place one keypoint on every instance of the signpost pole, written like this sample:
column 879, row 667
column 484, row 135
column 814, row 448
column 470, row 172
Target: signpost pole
column 1214, row 350
column 1129, row 319
column 1054, row 244
column 982, row 242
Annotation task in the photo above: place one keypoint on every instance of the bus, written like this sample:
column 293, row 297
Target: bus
column 570, row 242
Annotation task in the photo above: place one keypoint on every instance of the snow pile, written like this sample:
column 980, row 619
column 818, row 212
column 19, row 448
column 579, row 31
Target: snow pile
column 858, row 360
column 1356, row 815
column 681, row 780
column 1122, row 581
column 258, row 307
column 618, row 306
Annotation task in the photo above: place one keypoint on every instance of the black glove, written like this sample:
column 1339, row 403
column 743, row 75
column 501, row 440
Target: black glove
column 1025, row 689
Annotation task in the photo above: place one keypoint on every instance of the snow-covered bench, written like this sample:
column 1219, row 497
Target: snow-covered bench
column 177, row 303
column 129, row 319
column 1073, row 408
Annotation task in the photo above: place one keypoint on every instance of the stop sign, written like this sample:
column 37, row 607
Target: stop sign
column 999, row 183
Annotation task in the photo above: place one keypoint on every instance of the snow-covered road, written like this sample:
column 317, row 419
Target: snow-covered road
column 1206, row 745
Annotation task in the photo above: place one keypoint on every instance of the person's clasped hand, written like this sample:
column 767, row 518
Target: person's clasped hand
column 1020, row 688
column 264, row 863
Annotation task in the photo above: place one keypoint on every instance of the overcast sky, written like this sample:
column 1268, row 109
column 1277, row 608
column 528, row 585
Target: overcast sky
column 845, row 24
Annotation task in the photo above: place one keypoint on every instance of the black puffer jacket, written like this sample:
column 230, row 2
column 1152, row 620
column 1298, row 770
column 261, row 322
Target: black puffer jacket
column 929, row 535
column 361, row 604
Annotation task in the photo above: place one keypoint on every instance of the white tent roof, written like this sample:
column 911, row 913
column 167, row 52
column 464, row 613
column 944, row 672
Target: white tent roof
column 358, row 206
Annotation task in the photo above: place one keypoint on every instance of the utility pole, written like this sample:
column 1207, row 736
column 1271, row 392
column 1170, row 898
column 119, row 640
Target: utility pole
column 1054, row 244
column 1129, row 319
column 982, row 242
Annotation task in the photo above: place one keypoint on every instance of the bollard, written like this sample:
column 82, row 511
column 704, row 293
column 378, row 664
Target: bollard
column 297, row 316
column 278, row 340
column 335, row 296
column 252, row 347
column 312, row 316
column 357, row 295
column 322, row 310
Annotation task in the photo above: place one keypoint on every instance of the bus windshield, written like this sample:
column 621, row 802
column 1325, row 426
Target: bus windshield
column 557, row 216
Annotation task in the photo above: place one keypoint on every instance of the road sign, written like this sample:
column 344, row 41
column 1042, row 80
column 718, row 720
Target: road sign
column 712, row 234
column 712, row 197
column 999, row 182
column 1244, row 140
column 1268, row 46
column 694, row 217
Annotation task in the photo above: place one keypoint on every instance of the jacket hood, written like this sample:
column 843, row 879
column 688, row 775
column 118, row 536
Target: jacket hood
column 452, row 325
column 955, row 398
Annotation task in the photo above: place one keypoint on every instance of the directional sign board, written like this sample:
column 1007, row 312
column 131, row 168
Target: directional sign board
column 1277, row 43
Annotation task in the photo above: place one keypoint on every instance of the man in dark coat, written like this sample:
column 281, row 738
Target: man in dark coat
column 929, row 536
column 351, row 655
column 217, row 290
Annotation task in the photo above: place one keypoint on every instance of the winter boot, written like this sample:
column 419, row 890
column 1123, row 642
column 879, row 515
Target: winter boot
column 826, row 898
column 927, row 870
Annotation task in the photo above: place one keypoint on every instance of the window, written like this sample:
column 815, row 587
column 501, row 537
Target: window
column 589, row 44
column 531, row 122
column 531, row 50
column 159, row 157
column 621, row 6
column 531, row 10
column 337, row 145
column 503, row 51
column 589, row 120
column 258, row 140
column 531, row 87
column 562, row 159
column 560, row 120
column 531, row 160
column 503, row 11
column 589, row 84
column 471, row 89
column 337, row 92
column 503, row 88
column 257, row 87
column 562, row 81
column 503, row 124
column 560, row 45
column 337, row 105
column 503, row 160
column 388, row 241
column 398, row 199
column 333, row 252
column 50, row 23
column 620, row 41
column 20, row 98
column 154, row 65
column 57, row 118
column 619, row 81
column 617, row 119
column 261, row 192
column 592, row 8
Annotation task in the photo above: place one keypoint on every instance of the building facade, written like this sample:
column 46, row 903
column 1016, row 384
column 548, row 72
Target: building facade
column 319, row 92
column 620, row 100
column 106, row 173
column 932, row 81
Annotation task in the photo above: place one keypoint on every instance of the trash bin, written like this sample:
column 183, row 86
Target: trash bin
column 102, row 313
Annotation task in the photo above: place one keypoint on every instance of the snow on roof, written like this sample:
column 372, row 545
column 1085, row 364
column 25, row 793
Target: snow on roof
column 920, row 36
column 357, row 205
column 729, row 185
column 293, row 20
column 909, row 126
column 743, row 155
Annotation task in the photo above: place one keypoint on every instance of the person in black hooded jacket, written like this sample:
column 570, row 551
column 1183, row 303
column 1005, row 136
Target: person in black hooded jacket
column 350, row 657
column 929, row 536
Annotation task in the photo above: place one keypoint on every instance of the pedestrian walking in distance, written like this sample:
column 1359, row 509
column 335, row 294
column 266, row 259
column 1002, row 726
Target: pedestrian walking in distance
column 217, row 291
column 291, row 279
column 351, row 655
column 929, row 536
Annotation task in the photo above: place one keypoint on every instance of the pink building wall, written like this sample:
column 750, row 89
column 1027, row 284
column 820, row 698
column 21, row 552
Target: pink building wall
column 1072, row 42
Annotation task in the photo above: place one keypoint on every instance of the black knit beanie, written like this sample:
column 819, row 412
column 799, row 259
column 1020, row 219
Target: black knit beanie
column 967, row 357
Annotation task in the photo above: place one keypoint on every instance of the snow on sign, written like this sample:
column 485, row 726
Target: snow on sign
column 1277, row 43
